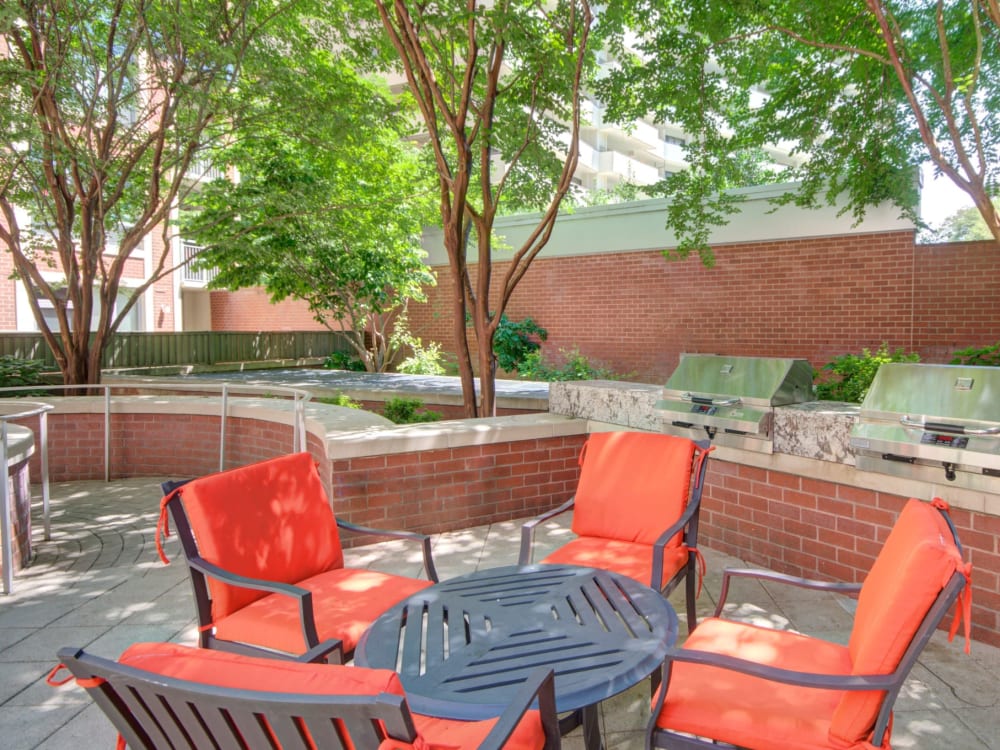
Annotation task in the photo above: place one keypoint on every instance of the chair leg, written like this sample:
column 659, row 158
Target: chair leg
column 690, row 592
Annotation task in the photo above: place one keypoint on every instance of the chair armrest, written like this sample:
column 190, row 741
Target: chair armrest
column 330, row 651
column 656, row 582
column 528, row 530
column 424, row 540
column 307, row 617
column 786, row 676
column 772, row 577
column 539, row 684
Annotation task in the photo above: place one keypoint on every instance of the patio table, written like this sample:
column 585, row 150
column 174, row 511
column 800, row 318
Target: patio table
column 463, row 646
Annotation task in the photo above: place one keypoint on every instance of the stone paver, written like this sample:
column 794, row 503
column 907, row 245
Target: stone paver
column 99, row 584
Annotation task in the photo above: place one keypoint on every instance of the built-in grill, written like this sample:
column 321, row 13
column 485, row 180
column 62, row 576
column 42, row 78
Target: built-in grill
column 932, row 422
column 732, row 399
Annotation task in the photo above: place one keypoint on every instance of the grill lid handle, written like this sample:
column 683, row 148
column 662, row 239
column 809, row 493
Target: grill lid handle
column 709, row 401
column 959, row 429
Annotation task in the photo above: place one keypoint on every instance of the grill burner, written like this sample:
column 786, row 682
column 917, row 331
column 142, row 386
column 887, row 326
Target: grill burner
column 919, row 420
column 732, row 399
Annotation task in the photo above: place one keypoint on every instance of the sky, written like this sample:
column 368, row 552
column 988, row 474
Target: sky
column 939, row 198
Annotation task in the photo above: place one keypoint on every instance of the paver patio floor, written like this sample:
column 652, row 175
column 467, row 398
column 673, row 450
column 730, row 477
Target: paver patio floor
column 99, row 584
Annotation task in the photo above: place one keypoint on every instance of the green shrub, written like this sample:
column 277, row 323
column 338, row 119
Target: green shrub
column 341, row 399
column 425, row 360
column 575, row 366
column 404, row 411
column 988, row 356
column 344, row 361
column 20, row 372
column 514, row 341
column 848, row 377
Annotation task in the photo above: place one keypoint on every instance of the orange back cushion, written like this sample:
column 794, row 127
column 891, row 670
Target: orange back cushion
column 633, row 485
column 268, row 520
column 917, row 561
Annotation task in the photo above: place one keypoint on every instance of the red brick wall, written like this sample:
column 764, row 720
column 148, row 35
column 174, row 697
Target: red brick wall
column 454, row 488
column 813, row 298
column 8, row 292
column 814, row 528
column 252, row 310
column 781, row 521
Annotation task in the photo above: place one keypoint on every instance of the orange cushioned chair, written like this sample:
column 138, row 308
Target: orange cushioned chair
column 635, row 510
column 164, row 695
column 263, row 549
column 753, row 687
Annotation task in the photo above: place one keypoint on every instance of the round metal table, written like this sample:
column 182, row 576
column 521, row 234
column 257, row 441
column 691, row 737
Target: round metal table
column 462, row 646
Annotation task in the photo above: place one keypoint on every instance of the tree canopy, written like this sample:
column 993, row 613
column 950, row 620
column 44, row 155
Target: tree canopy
column 329, row 203
column 498, row 87
column 859, row 95
column 106, row 107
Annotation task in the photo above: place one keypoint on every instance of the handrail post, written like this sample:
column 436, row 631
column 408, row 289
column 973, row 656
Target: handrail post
column 107, row 433
column 222, row 426
column 6, row 529
column 43, row 430
column 299, row 427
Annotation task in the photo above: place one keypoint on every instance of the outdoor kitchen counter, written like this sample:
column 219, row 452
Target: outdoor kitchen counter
column 810, row 440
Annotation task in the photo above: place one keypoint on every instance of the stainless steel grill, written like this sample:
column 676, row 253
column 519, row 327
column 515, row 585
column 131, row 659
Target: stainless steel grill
column 932, row 422
column 732, row 399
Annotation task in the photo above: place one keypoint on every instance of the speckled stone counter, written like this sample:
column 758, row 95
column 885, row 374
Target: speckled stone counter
column 610, row 401
column 817, row 429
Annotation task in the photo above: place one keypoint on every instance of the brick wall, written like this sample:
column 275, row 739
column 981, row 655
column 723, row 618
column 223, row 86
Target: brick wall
column 788, row 523
column 252, row 310
column 819, row 529
column 814, row 298
column 447, row 489
column 8, row 292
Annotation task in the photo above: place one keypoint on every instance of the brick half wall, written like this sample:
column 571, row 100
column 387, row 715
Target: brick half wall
column 819, row 529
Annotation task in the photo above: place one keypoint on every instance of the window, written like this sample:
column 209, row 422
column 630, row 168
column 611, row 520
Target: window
column 132, row 322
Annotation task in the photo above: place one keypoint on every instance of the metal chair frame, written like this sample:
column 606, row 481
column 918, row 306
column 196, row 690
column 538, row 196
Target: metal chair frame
column 154, row 712
column 201, row 570
column 686, row 523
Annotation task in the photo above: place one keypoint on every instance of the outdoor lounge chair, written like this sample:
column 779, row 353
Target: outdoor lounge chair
column 635, row 510
column 753, row 687
column 169, row 696
column 263, row 549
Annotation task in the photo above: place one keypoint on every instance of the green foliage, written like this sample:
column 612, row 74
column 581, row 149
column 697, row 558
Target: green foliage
column 344, row 361
column 988, row 356
column 857, row 115
column 965, row 225
column 20, row 372
column 848, row 377
column 341, row 399
column 514, row 340
column 422, row 360
column 573, row 366
column 407, row 411
column 330, row 203
column 106, row 107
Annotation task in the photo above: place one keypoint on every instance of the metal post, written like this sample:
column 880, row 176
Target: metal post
column 6, row 529
column 299, row 427
column 222, row 426
column 107, row 433
column 43, row 430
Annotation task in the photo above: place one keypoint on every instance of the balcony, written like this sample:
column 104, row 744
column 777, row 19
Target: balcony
column 195, row 277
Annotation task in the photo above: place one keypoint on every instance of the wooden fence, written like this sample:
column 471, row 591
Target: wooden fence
column 192, row 348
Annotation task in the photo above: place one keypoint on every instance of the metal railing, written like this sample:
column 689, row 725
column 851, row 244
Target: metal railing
column 299, row 398
column 196, row 275
column 28, row 409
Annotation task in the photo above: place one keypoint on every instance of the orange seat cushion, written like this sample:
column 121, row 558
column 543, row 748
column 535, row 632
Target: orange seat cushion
column 269, row 520
column 915, row 564
column 632, row 559
column 633, row 485
column 222, row 669
column 345, row 602
column 749, row 711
